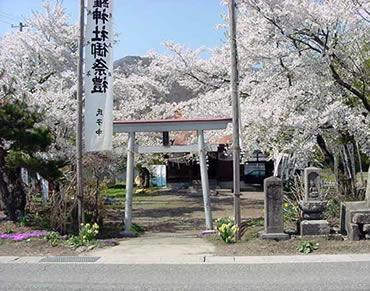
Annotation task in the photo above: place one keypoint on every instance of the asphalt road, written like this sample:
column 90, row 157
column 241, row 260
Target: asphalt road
column 301, row 276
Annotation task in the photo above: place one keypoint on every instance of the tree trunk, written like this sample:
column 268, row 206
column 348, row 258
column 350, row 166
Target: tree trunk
column 8, row 200
column 144, row 175
column 344, row 185
column 269, row 168
column 368, row 188
column 12, row 193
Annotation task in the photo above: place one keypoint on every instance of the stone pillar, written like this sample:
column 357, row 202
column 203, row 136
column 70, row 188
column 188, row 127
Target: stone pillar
column 313, row 206
column 274, row 224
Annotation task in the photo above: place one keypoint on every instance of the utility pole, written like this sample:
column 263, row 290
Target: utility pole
column 21, row 25
column 235, row 103
column 80, row 194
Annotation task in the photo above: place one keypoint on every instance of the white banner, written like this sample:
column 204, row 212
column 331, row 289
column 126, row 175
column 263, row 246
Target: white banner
column 99, row 76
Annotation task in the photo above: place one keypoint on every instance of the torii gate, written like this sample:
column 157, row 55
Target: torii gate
column 198, row 125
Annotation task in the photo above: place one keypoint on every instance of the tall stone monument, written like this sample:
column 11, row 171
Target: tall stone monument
column 274, row 224
column 313, row 206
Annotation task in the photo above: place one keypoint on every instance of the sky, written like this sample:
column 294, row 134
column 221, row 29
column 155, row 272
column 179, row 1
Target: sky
column 142, row 25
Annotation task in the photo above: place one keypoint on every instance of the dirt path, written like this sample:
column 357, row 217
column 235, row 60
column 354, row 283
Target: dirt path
column 182, row 211
column 172, row 221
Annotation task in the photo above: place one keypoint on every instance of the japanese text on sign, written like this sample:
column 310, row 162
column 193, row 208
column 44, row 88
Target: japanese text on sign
column 98, row 77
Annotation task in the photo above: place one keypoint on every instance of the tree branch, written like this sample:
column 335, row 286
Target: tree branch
column 354, row 91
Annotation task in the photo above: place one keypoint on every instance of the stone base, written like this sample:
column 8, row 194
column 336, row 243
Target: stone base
column 313, row 216
column 128, row 234
column 314, row 227
column 354, row 232
column 312, row 206
column 348, row 209
column 273, row 236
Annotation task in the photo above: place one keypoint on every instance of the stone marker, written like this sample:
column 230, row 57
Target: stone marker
column 366, row 228
column 312, row 184
column 314, row 227
column 354, row 232
column 274, row 224
column 361, row 218
column 347, row 210
column 313, row 206
column 355, row 217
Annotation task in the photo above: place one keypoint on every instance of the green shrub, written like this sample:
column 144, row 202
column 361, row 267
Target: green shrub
column 137, row 228
column 290, row 211
column 307, row 247
column 44, row 222
column 53, row 237
column 226, row 229
column 333, row 208
column 26, row 220
column 86, row 236
column 8, row 231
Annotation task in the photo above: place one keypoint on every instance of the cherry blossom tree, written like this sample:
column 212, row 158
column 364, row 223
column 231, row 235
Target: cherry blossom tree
column 41, row 61
column 304, row 76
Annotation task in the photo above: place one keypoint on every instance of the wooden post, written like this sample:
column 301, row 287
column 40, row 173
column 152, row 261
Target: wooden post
column 80, row 194
column 205, row 183
column 129, row 183
column 235, row 103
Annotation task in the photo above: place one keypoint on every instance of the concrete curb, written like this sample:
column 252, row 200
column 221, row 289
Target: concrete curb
column 251, row 260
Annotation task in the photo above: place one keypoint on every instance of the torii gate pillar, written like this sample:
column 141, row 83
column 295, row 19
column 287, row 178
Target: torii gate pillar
column 129, row 184
column 204, row 178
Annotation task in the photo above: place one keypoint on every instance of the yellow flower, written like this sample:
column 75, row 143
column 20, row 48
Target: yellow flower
column 96, row 232
column 37, row 214
column 286, row 204
column 95, row 225
column 84, row 237
column 223, row 227
column 87, row 225
column 89, row 231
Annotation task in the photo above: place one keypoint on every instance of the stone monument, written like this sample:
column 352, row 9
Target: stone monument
column 313, row 206
column 355, row 217
column 274, row 224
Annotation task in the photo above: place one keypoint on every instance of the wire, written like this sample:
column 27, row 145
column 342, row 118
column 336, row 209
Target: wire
column 5, row 22
column 9, row 16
